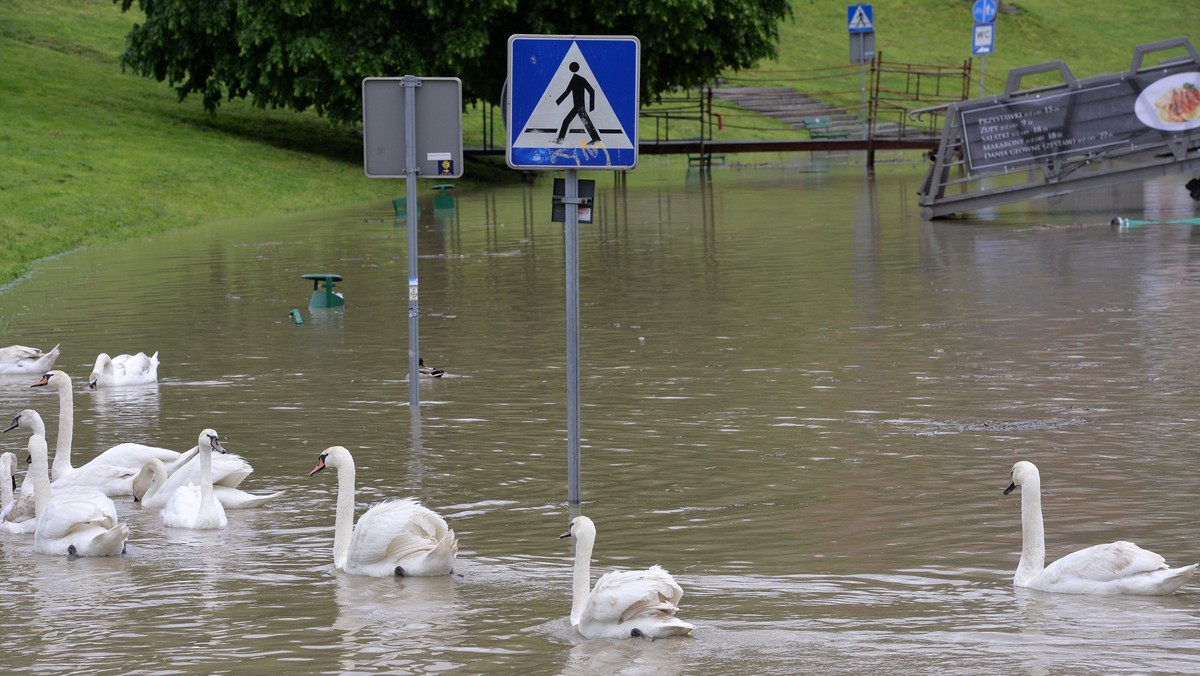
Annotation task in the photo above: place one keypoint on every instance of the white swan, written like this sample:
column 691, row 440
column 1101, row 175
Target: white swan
column 1115, row 568
column 193, row 506
column 396, row 537
column 124, row 369
column 18, row 359
column 153, row 485
column 129, row 456
column 77, row 522
column 14, row 507
column 624, row 603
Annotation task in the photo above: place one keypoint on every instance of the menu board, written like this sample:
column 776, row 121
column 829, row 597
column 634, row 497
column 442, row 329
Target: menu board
column 1099, row 115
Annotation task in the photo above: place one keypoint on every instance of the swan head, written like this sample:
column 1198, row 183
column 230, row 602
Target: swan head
column 1023, row 473
column 58, row 380
column 334, row 456
column 580, row 527
column 103, row 361
column 209, row 439
column 30, row 420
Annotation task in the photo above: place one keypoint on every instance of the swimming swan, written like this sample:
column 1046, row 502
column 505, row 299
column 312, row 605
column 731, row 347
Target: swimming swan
column 193, row 506
column 77, row 522
column 128, row 456
column 18, row 359
column 624, row 603
column 153, row 485
column 396, row 537
column 1115, row 568
column 124, row 369
column 14, row 508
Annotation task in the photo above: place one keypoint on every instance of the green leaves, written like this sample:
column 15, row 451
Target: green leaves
column 304, row 54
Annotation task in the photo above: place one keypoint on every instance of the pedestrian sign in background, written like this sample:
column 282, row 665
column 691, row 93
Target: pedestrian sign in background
column 573, row 102
column 860, row 19
column 984, row 40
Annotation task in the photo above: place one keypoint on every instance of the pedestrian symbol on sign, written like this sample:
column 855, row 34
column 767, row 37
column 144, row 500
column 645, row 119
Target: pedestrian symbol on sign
column 576, row 89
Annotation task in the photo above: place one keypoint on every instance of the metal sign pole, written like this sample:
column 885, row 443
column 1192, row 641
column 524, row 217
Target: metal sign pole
column 410, row 84
column 571, row 192
column 982, row 75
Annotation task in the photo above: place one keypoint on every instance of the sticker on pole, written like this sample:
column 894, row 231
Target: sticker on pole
column 573, row 102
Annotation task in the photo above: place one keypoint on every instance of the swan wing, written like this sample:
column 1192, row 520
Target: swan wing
column 134, row 456
column 400, row 533
column 236, row 498
column 1114, row 568
column 21, row 359
column 70, row 511
column 110, row 480
column 625, row 600
column 622, row 595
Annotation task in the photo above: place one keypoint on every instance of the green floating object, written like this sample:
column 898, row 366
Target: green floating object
column 326, row 297
column 295, row 315
column 443, row 201
column 400, row 204
column 1119, row 222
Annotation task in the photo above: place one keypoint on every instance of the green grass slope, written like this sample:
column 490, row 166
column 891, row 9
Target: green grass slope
column 93, row 155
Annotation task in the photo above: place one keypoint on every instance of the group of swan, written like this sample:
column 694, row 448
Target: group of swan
column 404, row 538
column 124, row 369
column 79, row 521
column 151, row 474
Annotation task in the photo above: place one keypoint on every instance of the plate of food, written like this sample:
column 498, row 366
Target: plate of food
column 1171, row 103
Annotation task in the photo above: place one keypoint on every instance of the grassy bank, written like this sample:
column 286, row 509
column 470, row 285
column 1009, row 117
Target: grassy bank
column 92, row 154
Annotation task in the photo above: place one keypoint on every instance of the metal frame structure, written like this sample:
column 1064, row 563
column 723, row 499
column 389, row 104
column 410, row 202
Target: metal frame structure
column 952, row 186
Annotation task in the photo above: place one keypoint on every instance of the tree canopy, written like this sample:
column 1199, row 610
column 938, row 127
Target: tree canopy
column 303, row 54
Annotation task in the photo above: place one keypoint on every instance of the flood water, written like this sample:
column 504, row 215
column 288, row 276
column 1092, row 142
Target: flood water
column 797, row 396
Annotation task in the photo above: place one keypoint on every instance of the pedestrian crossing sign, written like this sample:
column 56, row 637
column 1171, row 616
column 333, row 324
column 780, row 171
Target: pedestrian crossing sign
column 572, row 102
column 860, row 19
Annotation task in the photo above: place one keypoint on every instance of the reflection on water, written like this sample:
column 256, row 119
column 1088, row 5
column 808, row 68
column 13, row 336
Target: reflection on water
column 796, row 396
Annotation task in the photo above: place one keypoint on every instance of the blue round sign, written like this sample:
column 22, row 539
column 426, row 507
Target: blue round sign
column 984, row 11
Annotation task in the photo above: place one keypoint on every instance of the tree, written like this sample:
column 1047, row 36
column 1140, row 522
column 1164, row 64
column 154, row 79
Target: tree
column 303, row 54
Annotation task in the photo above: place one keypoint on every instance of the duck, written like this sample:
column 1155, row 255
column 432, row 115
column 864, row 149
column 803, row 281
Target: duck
column 1115, row 568
column 153, row 485
column 194, row 506
column 624, row 603
column 129, row 457
column 21, row 360
column 393, row 538
column 124, row 369
column 424, row 371
column 76, row 522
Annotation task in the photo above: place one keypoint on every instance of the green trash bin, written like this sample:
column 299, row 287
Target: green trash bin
column 325, row 297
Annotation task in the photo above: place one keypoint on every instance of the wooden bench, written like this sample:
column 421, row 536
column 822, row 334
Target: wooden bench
column 822, row 127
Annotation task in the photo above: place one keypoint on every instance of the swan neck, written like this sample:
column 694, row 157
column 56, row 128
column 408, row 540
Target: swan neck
column 1033, row 535
column 158, row 477
column 343, row 526
column 581, row 586
column 66, row 425
column 206, row 486
column 6, row 487
column 39, row 470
